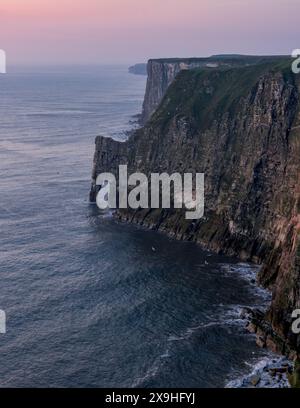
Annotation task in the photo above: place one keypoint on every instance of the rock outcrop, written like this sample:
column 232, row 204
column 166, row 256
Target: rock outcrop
column 241, row 127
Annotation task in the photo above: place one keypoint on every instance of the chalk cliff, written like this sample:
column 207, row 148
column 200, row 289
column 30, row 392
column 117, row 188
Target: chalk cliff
column 241, row 127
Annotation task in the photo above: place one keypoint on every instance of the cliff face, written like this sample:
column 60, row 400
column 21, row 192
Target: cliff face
column 241, row 127
column 162, row 72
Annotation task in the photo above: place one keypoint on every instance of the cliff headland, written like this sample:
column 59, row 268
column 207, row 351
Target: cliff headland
column 236, row 119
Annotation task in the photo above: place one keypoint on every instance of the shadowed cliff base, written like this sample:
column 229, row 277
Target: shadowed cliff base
column 240, row 126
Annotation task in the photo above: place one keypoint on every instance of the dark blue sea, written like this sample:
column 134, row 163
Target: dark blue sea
column 88, row 302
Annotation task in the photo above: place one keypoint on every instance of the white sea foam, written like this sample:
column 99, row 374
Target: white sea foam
column 248, row 272
column 260, row 371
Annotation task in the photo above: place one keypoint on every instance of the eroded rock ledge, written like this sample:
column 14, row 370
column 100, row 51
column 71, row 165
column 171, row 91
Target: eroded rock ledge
column 241, row 127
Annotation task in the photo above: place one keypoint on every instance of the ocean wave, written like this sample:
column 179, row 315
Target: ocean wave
column 263, row 374
column 152, row 371
column 248, row 272
column 58, row 112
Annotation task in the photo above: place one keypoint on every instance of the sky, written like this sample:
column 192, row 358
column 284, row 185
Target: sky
column 38, row 32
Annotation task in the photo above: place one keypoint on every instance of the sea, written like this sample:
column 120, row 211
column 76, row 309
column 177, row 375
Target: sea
column 88, row 302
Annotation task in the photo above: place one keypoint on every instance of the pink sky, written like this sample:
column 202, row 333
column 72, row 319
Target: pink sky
column 129, row 31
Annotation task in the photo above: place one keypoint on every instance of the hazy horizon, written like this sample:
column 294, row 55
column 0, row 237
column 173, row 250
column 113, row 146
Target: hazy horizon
column 78, row 64
column 104, row 32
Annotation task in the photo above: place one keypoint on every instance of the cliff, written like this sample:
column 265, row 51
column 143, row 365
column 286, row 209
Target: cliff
column 241, row 127
column 162, row 72
column 138, row 69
